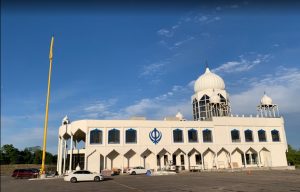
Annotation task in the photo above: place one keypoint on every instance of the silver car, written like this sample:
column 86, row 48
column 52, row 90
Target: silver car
column 83, row 175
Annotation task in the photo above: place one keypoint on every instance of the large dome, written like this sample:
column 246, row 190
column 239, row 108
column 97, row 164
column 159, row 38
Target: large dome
column 209, row 80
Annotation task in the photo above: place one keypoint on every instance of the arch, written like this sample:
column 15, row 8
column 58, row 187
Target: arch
column 177, row 136
column 130, row 136
column 235, row 135
column 265, row 157
column 203, row 107
column 251, row 157
column 207, row 136
column 223, row 158
column 209, row 159
column 147, row 155
column 115, row 160
column 193, row 136
column 237, row 158
column 222, row 98
column 248, row 135
column 79, row 135
column 163, row 159
column 132, row 159
column 194, row 159
column 179, row 158
column 96, row 136
column 114, row 136
column 275, row 135
column 262, row 135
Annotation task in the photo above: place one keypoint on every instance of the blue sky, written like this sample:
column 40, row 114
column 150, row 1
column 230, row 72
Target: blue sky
column 115, row 63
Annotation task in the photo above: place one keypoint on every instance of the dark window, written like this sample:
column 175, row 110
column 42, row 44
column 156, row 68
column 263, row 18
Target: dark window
column 235, row 136
column 207, row 136
column 203, row 107
column 275, row 135
column 177, row 136
column 130, row 136
column 96, row 136
column 262, row 136
column 114, row 136
column 248, row 136
column 198, row 159
column 193, row 135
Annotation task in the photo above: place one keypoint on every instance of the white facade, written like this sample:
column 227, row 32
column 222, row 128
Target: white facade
column 215, row 141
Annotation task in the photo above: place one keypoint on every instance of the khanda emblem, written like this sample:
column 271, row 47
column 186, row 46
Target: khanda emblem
column 155, row 136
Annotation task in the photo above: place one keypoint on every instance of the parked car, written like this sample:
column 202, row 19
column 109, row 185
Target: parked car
column 137, row 170
column 83, row 175
column 25, row 173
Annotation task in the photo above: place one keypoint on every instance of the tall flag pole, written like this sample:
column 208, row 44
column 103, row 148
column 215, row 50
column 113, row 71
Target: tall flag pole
column 47, row 107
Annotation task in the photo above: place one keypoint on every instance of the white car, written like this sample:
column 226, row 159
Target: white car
column 83, row 175
column 137, row 170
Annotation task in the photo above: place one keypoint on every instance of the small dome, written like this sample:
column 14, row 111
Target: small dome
column 266, row 100
column 179, row 116
column 215, row 98
column 209, row 80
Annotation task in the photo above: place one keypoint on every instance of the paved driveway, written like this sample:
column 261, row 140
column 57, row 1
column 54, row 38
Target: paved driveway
column 187, row 182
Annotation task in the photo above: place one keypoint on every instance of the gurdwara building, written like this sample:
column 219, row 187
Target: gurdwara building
column 214, row 139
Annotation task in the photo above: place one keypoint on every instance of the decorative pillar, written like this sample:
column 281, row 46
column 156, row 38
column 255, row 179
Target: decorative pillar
column 71, row 154
column 259, row 160
column 186, row 163
column 202, row 161
column 61, row 156
column 122, row 169
column 250, row 157
column 58, row 151
column 245, row 160
column 65, row 155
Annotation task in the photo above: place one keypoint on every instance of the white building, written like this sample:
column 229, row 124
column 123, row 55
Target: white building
column 215, row 139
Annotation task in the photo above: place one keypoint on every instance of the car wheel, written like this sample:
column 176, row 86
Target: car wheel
column 133, row 173
column 97, row 179
column 73, row 180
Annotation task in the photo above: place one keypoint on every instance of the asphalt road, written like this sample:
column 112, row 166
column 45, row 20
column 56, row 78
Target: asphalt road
column 273, row 181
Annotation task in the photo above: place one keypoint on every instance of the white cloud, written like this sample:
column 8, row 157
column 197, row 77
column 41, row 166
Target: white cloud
column 166, row 32
column 243, row 64
column 179, row 43
column 153, row 68
column 283, row 87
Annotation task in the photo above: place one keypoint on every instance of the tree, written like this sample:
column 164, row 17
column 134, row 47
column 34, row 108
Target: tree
column 293, row 156
column 11, row 153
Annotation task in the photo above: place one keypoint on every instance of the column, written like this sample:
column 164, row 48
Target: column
column 58, row 155
column 250, row 157
column 122, row 169
column 186, row 162
column 61, row 156
column 71, row 154
column 245, row 160
column 85, row 161
column 155, row 164
column 259, row 160
column 202, row 161
column 230, row 160
column 216, row 161
column 65, row 154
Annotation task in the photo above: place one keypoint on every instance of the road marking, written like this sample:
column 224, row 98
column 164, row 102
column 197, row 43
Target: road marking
column 133, row 188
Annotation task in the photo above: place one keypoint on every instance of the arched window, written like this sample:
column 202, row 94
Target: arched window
column 177, row 136
column 262, row 135
column 203, row 107
column 207, row 135
column 96, row 136
column 235, row 136
column 113, row 136
column 248, row 136
column 193, row 135
column 130, row 136
column 275, row 135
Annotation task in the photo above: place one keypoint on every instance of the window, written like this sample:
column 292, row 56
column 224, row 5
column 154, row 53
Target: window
column 198, row 159
column 177, row 136
column 275, row 135
column 193, row 135
column 235, row 136
column 248, row 136
column 207, row 136
column 130, row 136
column 96, row 136
column 262, row 136
column 113, row 136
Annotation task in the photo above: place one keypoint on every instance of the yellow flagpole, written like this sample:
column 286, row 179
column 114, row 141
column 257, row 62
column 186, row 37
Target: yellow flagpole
column 47, row 107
